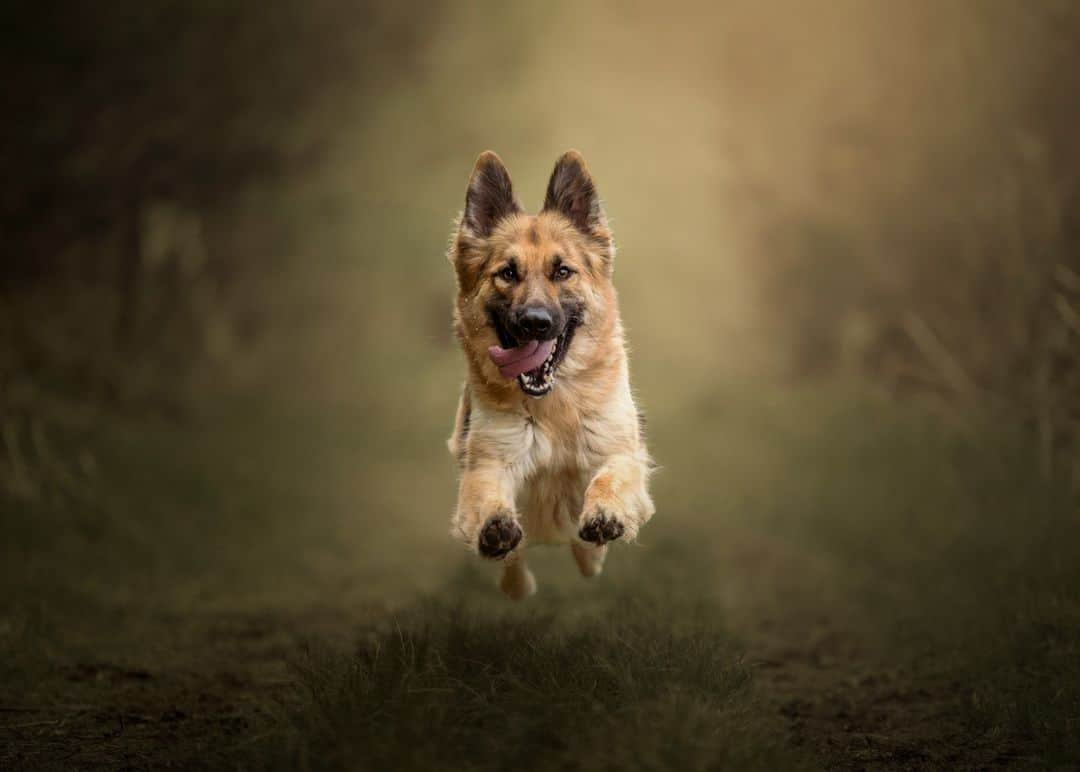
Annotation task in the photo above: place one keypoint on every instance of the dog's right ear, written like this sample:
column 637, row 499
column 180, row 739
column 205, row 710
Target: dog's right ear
column 490, row 196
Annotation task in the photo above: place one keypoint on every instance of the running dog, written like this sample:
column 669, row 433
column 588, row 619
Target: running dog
column 547, row 435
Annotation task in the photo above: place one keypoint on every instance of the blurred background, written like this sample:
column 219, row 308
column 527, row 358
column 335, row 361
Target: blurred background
column 209, row 195
column 226, row 366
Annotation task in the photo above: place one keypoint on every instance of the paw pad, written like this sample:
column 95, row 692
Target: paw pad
column 499, row 536
column 600, row 529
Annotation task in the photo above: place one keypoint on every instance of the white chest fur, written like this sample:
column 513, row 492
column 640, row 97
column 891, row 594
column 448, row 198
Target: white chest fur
column 551, row 463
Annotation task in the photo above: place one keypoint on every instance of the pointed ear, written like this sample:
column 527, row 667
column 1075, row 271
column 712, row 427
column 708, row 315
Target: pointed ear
column 490, row 196
column 571, row 192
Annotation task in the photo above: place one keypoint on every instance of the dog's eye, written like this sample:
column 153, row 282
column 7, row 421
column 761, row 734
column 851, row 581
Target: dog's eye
column 563, row 272
column 508, row 273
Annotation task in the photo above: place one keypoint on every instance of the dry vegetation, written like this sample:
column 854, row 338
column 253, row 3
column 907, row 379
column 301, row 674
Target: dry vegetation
column 940, row 257
column 226, row 377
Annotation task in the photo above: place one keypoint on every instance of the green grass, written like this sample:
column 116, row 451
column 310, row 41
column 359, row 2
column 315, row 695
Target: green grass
column 953, row 561
column 448, row 686
column 804, row 513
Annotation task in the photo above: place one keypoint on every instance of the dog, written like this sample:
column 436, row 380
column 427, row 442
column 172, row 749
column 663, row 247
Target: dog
column 548, row 440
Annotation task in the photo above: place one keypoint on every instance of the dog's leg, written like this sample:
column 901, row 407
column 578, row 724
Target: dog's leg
column 517, row 581
column 589, row 558
column 617, row 500
column 462, row 420
column 485, row 517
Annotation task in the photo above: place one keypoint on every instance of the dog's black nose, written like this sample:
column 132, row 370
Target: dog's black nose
column 535, row 322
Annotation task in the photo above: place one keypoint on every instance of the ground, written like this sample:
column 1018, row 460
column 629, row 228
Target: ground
column 228, row 545
column 831, row 581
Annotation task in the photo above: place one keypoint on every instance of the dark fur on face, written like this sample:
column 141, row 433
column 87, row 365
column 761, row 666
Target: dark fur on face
column 534, row 277
column 571, row 467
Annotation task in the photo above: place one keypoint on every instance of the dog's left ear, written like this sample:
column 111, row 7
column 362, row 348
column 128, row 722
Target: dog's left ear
column 572, row 193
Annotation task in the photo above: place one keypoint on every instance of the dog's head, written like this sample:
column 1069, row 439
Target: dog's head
column 535, row 299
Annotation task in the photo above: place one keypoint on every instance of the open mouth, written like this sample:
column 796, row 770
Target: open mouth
column 540, row 380
column 534, row 363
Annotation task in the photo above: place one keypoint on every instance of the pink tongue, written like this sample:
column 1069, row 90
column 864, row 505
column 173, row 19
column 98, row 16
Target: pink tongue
column 512, row 362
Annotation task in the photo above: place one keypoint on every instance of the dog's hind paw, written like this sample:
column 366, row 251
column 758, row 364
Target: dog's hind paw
column 601, row 528
column 499, row 536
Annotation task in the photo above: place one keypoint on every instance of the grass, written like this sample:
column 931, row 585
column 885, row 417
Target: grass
column 940, row 547
column 452, row 686
column 278, row 566
column 962, row 559
column 966, row 563
column 156, row 576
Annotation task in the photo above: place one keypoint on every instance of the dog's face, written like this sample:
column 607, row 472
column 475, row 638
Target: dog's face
column 528, row 286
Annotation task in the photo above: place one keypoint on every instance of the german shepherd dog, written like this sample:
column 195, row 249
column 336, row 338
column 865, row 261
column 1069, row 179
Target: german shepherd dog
column 547, row 435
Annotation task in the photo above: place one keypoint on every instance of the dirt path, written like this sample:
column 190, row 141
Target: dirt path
column 228, row 676
column 231, row 678
column 181, row 654
column 818, row 667
column 853, row 715
column 224, row 679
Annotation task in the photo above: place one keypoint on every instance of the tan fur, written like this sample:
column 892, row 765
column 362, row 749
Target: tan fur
column 590, row 560
column 575, row 453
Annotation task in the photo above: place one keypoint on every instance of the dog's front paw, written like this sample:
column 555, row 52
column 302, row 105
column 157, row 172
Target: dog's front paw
column 601, row 527
column 499, row 536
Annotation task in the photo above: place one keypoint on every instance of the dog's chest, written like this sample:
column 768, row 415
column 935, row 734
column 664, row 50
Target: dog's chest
column 557, row 466
column 557, row 445
column 543, row 441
